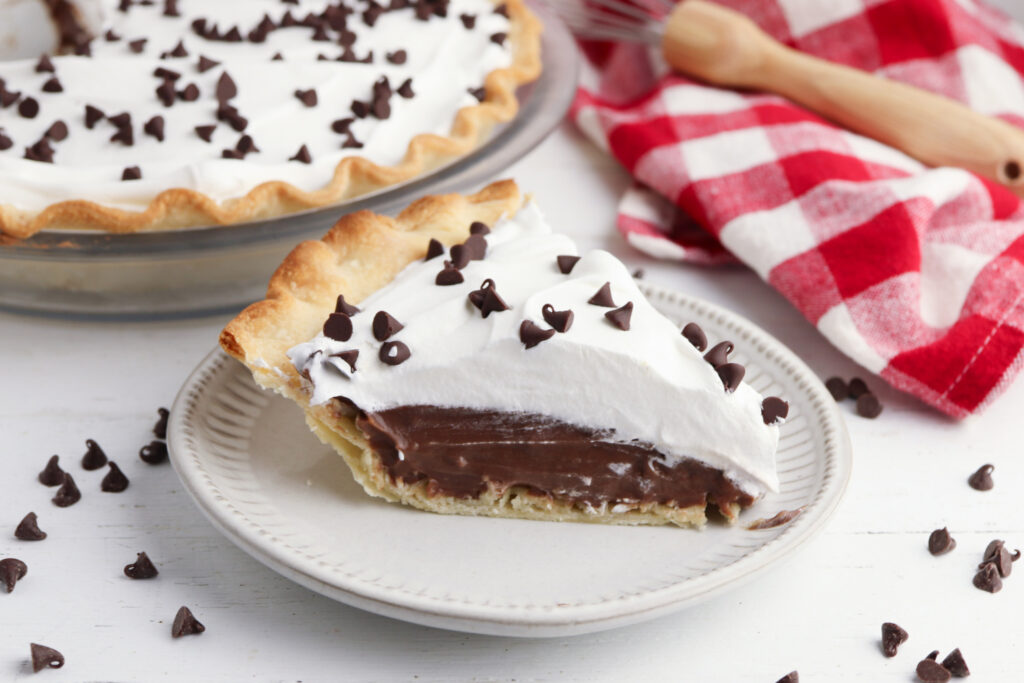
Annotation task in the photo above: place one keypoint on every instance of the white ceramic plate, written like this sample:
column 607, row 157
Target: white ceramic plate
column 249, row 461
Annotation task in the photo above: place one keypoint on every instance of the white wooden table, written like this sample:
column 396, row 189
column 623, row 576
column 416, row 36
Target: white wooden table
column 63, row 382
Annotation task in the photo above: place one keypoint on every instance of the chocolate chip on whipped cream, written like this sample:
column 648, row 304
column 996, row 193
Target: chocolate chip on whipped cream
column 487, row 299
column 394, row 353
column 695, row 335
column 620, row 316
column 731, row 375
column 385, row 325
column 531, row 334
column 719, row 354
column 434, row 249
column 774, row 410
column 342, row 306
column 479, row 228
column 131, row 173
column 560, row 321
column 338, row 327
column 449, row 276
column 350, row 357
column 302, row 156
column 603, row 297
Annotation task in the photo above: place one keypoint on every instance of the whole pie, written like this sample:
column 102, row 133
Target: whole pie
column 463, row 358
column 163, row 114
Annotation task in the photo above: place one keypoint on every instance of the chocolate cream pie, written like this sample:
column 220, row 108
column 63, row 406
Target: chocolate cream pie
column 131, row 115
column 463, row 358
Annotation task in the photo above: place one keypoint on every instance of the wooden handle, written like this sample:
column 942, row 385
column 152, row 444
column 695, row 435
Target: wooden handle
column 721, row 46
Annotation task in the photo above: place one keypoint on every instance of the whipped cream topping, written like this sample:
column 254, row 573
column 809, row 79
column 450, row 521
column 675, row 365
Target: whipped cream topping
column 647, row 383
column 442, row 56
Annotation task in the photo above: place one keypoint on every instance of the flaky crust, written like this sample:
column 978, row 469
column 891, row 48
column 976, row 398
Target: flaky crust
column 354, row 176
column 358, row 256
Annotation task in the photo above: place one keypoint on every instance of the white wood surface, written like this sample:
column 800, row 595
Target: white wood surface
column 63, row 382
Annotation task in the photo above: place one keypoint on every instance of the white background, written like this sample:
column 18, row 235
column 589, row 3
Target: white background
column 63, row 382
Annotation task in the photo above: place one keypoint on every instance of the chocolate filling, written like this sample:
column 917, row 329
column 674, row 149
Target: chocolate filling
column 458, row 451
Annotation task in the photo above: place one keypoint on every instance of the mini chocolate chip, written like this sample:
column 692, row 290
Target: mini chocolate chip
column 141, row 568
column 476, row 245
column 124, row 135
column 226, row 88
column 5, row 141
column 28, row 529
column 955, row 664
column 342, row 306
column 190, row 93
column 449, row 275
column 137, row 46
column 302, row 155
column 384, row 326
column 869, row 406
column 28, row 108
column 68, row 494
column 858, row 387
column 360, row 109
column 40, row 151
column 131, row 173
column 351, row 143
column 561, row 321
column 94, row 457
column 997, row 555
column 460, row 256
column 166, row 74
column 396, row 57
column 487, row 299
column 620, row 316
column 695, row 335
column 338, row 327
column 731, row 375
column 479, row 93
column 434, row 249
column 58, row 131
column 981, row 480
column 468, row 20
column 205, row 132
column 45, row 657
column 155, row 128
column 52, row 474
column 53, row 85
column 394, row 353
column 603, row 297
column 940, row 542
column 171, row 8
column 115, row 481
column 479, row 228
column 719, row 354
column 774, row 410
column 502, row 9
column 246, row 145
column 153, row 453
column 838, row 387
column 44, row 65
column 498, row 38
column 791, row 677
column 185, row 624
column 179, row 50
column 11, row 572
column 205, row 64
column 987, row 578
column 341, row 125
column 92, row 116
column 892, row 637
column 930, row 671
column 405, row 90
column 111, row 37
column 307, row 97
column 349, row 357
column 160, row 428
column 638, row 274
column 532, row 334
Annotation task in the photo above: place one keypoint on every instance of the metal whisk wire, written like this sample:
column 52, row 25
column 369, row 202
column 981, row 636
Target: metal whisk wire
column 635, row 21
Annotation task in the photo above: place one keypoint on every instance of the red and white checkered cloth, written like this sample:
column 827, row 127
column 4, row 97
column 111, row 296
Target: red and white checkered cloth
column 916, row 273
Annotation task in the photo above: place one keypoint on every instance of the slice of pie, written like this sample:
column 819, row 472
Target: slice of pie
column 463, row 358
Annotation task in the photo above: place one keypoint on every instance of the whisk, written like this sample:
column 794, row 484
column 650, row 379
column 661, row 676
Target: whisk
column 723, row 47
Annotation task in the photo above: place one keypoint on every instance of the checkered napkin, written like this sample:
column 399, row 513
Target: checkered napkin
column 916, row 273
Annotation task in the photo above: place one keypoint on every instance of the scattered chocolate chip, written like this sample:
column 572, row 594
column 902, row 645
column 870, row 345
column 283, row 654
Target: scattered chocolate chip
column 719, row 354
column 341, row 125
column 131, row 173
column 57, row 132
column 185, row 624
column 93, row 116
column 28, row 529
column 603, row 297
column 638, row 274
column 94, row 457
column 7, row 98
column 28, row 108
column 933, row 655
column 561, row 321
column 53, row 85
column 981, row 480
column 360, row 109
column 869, row 406
column 778, row 519
column 137, row 46
column 449, row 275
column 838, row 388
column 111, row 37
column 479, row 93
column 124, row 133
column 5, row 141
column 302, row 156
column 338, row 327
column 468, row 20
column 858, row 387
column 930, row 671
column 892, row 637
column 532, row 334
column 171, row 8
column 774, row 410
column 190, row 93
column 405, row 90
column 11, row 572
column 350, row 357
column 307, row 97
column 731, row 375
column 44, row 65
column 476, row 246
column 502, row 9
column 351, row 143
column 460, row 256
column 141, row 568
column 434, row 249
column 498, row 38
column 620, row 316
column 166, row 74
column 40, row 151
column 384, row 326
column 394, row 353
column 987, row 578
column 246, row 145
column 114, row 481
column 791, row 677
column 342, row 306
column 179, row 50
column 52, row 474
column 954, row 663
column 940, row 542
column 153, row 453
column 997, row 555
column 205, row 132
column 396, row 57
column 226, row 88
column 205, row 64
column 695, row 335
column 68, row 493
column 45, row 657
column 160, row 428
column 479, row 228
column 487, row 299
